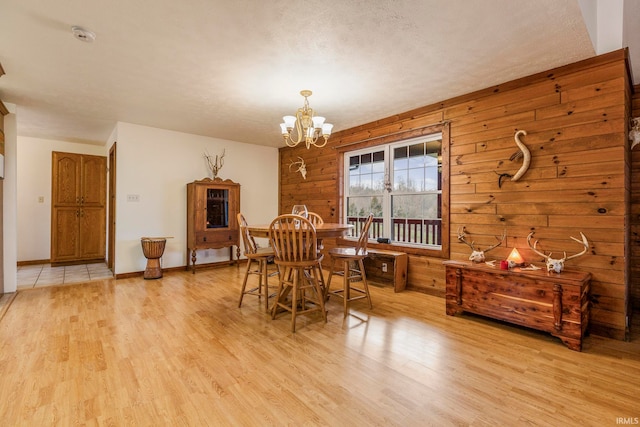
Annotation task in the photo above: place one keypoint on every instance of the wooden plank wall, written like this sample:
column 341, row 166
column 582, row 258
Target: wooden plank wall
column 579, row 181
column 635, row 211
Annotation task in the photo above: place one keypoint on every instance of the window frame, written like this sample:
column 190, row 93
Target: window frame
column 390, row 140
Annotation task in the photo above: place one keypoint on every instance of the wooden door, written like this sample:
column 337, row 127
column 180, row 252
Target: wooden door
column 66, row 179
column 65, row 243
column 93, row 181
column 78, row 213
column 92, row 232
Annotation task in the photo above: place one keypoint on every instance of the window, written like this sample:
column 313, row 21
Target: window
column 401, row 184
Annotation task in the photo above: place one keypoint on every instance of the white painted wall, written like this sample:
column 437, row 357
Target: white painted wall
column 604, row 22
column 157, row 164
column 9, row 196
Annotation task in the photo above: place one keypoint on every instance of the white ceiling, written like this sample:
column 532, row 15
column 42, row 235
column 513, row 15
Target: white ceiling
column 232, row 68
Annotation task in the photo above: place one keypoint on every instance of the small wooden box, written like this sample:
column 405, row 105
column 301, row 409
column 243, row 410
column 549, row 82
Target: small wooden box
column 396, row 263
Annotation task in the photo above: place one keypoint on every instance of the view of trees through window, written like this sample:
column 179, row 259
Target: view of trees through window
column 401, row 184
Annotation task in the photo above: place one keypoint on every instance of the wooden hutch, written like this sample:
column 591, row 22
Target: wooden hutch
column 212, row 209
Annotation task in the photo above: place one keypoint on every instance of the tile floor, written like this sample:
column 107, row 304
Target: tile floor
column 32, row 276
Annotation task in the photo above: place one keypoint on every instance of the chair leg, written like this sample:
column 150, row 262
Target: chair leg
column 328, row 283
column 294, row 299
column 264, row 281
column 346, row 293
column 364, row 281
column 279, row 293
column 244, row 282
column 317, row 272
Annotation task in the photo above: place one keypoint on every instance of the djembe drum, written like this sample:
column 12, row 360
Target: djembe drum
column 153, row 248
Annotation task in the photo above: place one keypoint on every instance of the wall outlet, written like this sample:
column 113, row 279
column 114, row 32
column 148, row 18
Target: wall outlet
column 384, row 267
column 133, row 197
column 40, row 199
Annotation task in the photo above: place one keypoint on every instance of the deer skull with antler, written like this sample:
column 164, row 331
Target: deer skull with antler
column 557, row 265
column 477, row 255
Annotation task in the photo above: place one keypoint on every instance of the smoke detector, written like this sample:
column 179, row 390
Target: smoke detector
column 82, row 34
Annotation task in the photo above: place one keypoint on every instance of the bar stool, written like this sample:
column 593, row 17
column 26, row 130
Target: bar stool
column 349, row 256
column 259, row 256
column 296, row 249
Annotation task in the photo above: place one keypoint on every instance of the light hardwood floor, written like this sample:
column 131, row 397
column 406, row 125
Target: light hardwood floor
column 178, row 351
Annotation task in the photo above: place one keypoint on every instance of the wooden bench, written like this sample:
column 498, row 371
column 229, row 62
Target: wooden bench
column 387, row 267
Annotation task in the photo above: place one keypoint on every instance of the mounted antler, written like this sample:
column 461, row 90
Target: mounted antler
column 302, row 168
column 477, row 255
column 213, row 164
column 557, row 265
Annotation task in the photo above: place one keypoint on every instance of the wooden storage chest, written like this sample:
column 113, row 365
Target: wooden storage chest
column 550, row 302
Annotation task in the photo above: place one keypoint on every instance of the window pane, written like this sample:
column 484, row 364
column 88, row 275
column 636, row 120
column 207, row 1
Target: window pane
column 400, row 158
column 415, row 219
column 365, row 168
column 400, row 180
column 354, row 162
column 358, row 211
column 378, row 181
column 432, row 179
column 416, row 155
column 416, row 180
column 362, row 178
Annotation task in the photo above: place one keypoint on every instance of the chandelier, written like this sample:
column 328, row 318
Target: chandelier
column 308, row 127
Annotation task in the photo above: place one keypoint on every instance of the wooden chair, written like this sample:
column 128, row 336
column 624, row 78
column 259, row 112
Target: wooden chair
column 314, row 218
column 259, row 256
column 296, row 253
column 352, row 269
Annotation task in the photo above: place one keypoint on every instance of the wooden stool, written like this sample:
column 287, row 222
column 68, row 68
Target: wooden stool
column 295, row 244
column 261, row 257
column 346, row 256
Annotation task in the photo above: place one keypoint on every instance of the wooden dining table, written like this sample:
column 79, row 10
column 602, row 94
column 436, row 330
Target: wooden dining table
column 323, row 231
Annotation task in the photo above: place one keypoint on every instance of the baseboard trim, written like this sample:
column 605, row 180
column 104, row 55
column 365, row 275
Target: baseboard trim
column 199, row 267
column 34, row 262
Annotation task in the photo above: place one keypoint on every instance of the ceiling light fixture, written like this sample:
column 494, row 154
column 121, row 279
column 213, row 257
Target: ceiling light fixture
column 308, row 127
column 82, row 34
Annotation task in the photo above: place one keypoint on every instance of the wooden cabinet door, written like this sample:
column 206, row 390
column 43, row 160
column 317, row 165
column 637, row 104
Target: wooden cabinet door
column 92, row 232
column 78, row 211
column 65, row 243
column 93, row 181
column 66, row 169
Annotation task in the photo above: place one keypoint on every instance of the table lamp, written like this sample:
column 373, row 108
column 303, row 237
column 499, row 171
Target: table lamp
column 515, row 259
